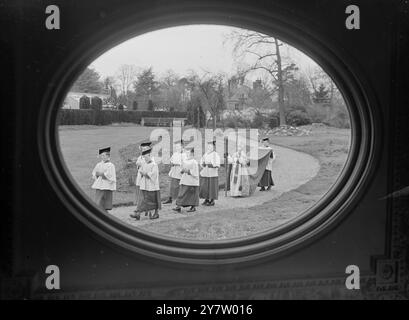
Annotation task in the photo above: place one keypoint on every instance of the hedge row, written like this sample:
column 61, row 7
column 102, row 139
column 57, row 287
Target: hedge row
column 105, row 117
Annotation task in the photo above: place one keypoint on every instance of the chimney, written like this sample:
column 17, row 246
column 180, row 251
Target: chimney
column 257, row 84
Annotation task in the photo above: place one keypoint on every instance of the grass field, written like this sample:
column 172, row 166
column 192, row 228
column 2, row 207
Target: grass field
column 329, row 145
column 79, row 145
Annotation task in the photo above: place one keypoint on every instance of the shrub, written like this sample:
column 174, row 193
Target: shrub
column 150, row 105
column 334, row 116
column 259, row 121
column 96, row 103
column 340, row 119
column 84, row 102
column 296, row 108
column 298, row 118
column 274, row 121
column 105, row 117
column 195, row 113
column 317, row 113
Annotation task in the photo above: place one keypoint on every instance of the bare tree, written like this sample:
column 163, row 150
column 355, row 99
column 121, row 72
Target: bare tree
column 172, row 90
column 265, row 55
column 210, row 87
column 126, row 75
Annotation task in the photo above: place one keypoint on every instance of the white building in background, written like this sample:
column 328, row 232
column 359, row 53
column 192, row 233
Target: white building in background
column 72, row 100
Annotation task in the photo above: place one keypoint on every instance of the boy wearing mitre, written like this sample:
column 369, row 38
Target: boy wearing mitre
column 139, row 162
column 267, row 178
column 209, row 175
column 149, row 195
column 104, row 180
column 175, row 174
column 189, row 184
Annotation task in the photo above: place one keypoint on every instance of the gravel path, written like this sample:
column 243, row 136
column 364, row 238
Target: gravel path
column 291, row 170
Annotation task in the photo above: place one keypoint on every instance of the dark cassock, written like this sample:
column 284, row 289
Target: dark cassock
column 149, row 194
column 104, row 176
column 189, row 184
column 267, row 178
column 209, row 175
column 175, row 174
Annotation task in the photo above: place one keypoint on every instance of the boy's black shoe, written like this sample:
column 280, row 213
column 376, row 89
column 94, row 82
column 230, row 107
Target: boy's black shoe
column 136, row 216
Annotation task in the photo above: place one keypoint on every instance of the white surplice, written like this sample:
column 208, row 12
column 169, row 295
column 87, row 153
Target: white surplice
column 150, row 180
column 210, row 158
column 107, row 183
column 191, row 178
column 176, row 161
column 139, row 162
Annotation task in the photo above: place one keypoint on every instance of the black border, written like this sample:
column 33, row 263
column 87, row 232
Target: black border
column 327, row 213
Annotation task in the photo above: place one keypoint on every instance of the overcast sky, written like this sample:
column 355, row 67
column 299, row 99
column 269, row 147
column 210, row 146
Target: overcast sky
column 197, row 47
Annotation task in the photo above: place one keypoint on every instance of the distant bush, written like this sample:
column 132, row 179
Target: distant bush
column 296, row 108
column 259, row 121
column 96, row 103
column 274, row 121
column 298, row 118
column 106, row 117
column 335, row 116
column 85, row 102
column 340, row 119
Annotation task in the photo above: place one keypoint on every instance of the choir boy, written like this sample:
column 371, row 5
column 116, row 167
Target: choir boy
column 267, row 178
column 175, row 174
column 104, row 180
column 149, row 196
column 189, row 184
column 209, row 175
column 139, row 162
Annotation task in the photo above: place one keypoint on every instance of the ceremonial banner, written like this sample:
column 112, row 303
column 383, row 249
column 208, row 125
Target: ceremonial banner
column 256, row 169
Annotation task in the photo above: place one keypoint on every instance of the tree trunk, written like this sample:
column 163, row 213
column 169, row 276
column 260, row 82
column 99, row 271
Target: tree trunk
column 331, row 97
column 280, row 84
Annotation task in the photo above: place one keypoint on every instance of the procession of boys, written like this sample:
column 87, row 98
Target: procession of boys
column 190, row 180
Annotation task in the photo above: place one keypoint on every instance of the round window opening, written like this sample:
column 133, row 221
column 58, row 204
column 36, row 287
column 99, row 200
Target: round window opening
column 207, row 143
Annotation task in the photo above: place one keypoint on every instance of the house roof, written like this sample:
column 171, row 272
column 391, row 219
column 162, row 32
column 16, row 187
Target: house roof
column 240, row 91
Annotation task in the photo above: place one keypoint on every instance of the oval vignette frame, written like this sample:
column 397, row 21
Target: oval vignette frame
column 313, row 223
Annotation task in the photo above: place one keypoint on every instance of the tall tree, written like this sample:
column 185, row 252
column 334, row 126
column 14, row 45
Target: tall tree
column 265, row 55
column 126, row 75
column 195, row 113
column 88, row 82
column 172, row 91
column 321, row 94
column 297, row 92
column 321, row 81
column 210, row 88
column 145, row 84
